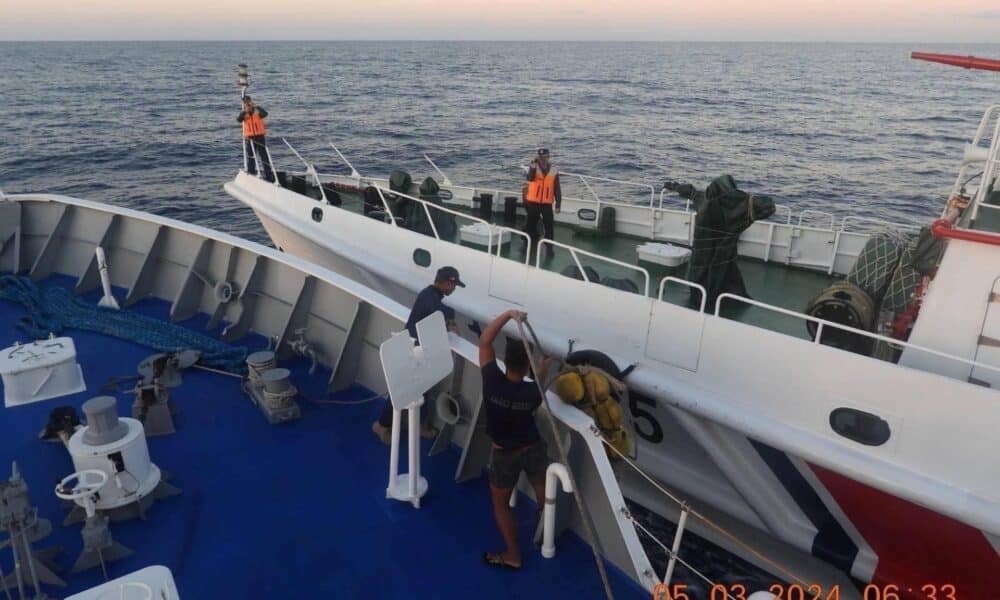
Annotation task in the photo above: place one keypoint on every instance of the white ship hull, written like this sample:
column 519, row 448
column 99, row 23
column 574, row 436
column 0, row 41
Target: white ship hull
column 739, row 418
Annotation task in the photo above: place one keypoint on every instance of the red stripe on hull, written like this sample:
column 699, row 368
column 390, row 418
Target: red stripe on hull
column 917, row 546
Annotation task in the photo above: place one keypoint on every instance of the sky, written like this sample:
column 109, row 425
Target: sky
column 941, row 21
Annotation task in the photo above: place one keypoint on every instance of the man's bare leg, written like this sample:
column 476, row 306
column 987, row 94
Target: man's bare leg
column 507, row 524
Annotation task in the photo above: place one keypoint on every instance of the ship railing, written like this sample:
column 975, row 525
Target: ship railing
column 685, row 283
column 257, row 162
column 575, row 253
column 310, row 170
column 992, row 113
column 991, row 169
column 822, row 324
column 494, row 231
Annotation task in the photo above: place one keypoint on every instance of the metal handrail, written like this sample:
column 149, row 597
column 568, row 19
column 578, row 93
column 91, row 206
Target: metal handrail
column 687, row 202
column 788, row 218
column 388, row 211
column 527, row 238
column 809, row 211
column 684, row 282
column 428, row 205
column 821, row 323
column 584, row 178
column 444, row 178
column 988, row 115
column 573, row 252
column 883, row 222
column 989, row 172
column 310, row 169
column 354, row 172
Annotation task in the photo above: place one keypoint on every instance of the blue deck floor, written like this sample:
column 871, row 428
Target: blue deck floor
column 290, row 511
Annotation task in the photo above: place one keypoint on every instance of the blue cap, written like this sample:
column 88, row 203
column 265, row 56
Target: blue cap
column 449, row 274
column 543, row 152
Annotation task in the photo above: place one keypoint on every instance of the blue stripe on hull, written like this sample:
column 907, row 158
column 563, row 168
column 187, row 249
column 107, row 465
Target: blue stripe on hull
column 831, row 543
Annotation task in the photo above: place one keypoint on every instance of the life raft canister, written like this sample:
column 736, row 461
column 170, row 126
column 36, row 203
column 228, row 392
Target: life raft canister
column 253, row 125
column 542, row 189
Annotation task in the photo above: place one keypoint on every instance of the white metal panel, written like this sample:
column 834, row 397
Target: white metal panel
column 675, row 335
column 800, row 383
column 989, row 342
column 507, row 280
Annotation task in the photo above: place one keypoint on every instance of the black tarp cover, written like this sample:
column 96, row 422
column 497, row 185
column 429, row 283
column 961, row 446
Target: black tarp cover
column 723, row 212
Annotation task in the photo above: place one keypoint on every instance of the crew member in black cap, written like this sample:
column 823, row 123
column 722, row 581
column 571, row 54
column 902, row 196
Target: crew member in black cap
column 254, row 138
column 428, row 302
column 540, row 195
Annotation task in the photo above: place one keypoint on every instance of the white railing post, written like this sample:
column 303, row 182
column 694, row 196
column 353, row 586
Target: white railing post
column 354, row 172
column 675, row 548
column 385, row 204
column 444, row 178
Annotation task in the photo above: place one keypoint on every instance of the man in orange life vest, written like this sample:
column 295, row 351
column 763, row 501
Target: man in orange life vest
column 541, row 194
column 252, row 117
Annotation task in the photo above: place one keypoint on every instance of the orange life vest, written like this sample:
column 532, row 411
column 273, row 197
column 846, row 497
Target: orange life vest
column 253, row 125
column 542, row 189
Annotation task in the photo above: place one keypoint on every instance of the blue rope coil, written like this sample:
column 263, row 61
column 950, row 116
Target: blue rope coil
column 56, row 309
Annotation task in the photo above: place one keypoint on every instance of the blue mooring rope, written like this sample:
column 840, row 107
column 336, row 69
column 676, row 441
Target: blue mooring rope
column 57, row 309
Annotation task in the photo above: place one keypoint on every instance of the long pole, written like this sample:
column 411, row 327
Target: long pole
column 588, row 523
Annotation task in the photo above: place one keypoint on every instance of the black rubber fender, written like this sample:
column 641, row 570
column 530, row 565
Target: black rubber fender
column 600, row 360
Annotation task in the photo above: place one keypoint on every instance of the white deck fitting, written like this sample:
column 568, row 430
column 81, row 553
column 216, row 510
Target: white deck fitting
column 39, row 371
column 479, row 234
column 667, row 255
column 155, row 582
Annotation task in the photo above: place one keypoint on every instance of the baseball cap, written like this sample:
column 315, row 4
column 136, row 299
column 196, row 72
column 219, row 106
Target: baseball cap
column 543, row 152
column 449, row 274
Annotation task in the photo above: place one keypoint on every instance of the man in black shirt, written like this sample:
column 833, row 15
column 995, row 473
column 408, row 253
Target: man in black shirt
column 510, row 404
column 428, row 302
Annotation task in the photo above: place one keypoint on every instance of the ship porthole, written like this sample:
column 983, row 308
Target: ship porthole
column 860, row 426
column 421, row 258
column 317, row 214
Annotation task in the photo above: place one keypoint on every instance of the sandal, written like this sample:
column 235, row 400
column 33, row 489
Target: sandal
column 495, row 559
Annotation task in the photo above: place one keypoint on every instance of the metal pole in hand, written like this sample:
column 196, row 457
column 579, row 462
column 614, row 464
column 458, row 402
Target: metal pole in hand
column 243, row 80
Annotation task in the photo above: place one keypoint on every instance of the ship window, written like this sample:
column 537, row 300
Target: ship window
column 860, row 426
column 317, row 214
column 422, row 257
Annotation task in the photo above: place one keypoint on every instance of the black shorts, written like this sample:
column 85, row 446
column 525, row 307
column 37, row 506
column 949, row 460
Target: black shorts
column 506, row 465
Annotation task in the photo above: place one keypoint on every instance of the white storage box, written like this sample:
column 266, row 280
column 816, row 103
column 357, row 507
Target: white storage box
column 152, row 582
column 39, row 371
column 479, row 234
column 667, row 255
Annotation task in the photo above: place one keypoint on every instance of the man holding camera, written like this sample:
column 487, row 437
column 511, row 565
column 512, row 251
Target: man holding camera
column 541, row 195
column 252, row 117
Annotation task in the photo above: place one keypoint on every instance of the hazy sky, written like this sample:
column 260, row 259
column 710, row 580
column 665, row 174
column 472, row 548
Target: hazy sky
column 808, row 20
